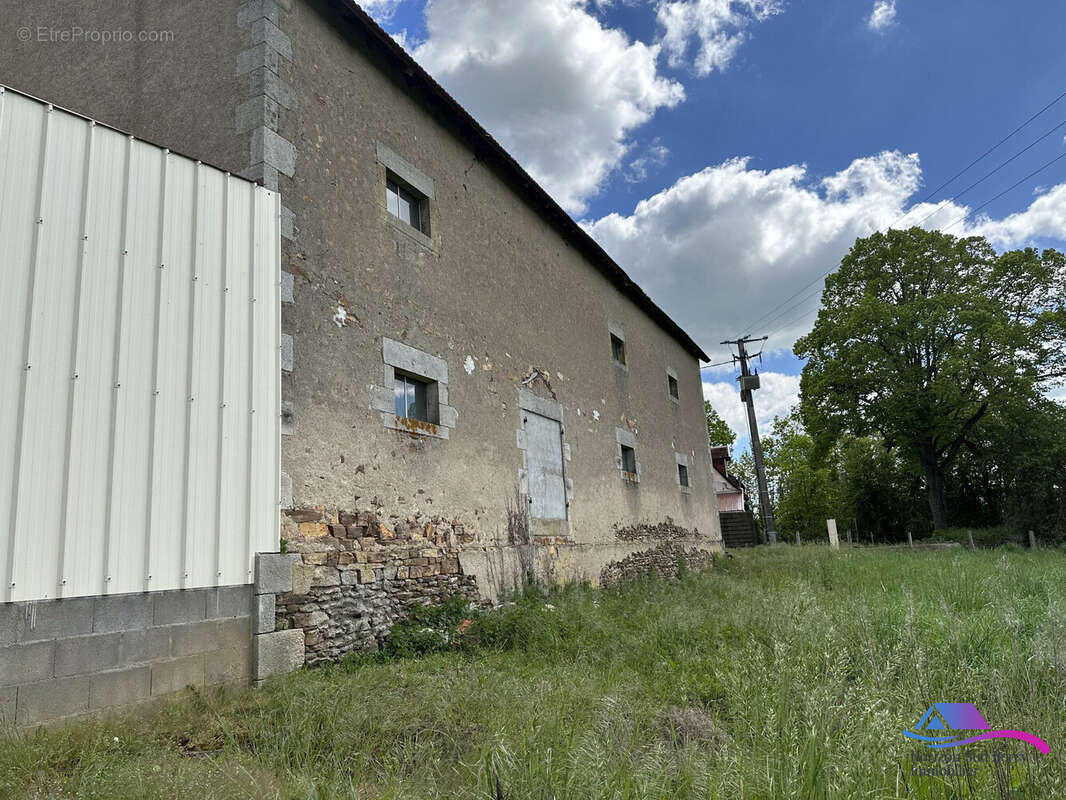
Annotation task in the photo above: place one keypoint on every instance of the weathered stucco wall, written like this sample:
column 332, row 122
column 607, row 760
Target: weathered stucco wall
column 278, row 92
column 496, row 293
column 165, row 71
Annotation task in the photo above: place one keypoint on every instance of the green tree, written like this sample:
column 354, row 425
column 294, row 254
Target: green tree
column 801, row 481
column 920, row 334
column 874, row 491
column 717, row 430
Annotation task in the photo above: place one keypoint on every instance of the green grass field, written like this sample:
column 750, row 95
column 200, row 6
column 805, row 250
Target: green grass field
column 784, row 674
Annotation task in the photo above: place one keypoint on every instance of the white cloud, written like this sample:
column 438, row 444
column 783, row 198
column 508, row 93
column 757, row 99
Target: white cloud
column 748, row 238
column 559, row 90
column 1045, row 217
column 882, row 16
column 717, row 26
column 775, row 398
column 380, row 10
column 654, row 156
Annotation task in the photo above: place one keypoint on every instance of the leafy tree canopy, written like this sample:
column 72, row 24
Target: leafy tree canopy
column 717, row 429
column 921, row 333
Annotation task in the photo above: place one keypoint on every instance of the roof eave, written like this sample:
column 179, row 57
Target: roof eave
column 421, row 84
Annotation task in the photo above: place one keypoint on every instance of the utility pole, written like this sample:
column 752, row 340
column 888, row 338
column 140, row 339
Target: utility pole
column 748, row 384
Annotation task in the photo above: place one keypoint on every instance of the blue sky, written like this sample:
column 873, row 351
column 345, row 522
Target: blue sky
column 738, row 147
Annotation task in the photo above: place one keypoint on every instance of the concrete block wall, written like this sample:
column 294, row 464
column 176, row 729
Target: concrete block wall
column 62, row 659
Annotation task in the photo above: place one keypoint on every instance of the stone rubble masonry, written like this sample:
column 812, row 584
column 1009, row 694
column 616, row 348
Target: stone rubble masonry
column 360, row 573
column 62, row 659
column 665, row 560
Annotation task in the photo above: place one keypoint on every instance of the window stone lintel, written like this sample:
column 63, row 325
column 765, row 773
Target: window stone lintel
column 408, row 359
column 405, row 170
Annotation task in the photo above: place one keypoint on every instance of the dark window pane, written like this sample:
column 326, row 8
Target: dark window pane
column 410, row 398
column 673, row 386
column 682, row 474
column 618, row 349
column 629, row 459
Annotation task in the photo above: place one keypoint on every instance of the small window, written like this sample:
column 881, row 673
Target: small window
column 682, row 474
column 672, row 383
column 406, row 205
column 618, row 351
column 629, row 459
column 410, row 396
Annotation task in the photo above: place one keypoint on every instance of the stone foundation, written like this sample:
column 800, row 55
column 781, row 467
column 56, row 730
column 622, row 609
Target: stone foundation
column 664, row 561
column 359, row 576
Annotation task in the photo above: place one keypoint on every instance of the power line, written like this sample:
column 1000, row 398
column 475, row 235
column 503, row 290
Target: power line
column 794, row 320
column 792, row 306
column 784, row 326
column 788, row 300
column 787, row 304
column 1036, row 171
column 983, row 155
column 987, row 175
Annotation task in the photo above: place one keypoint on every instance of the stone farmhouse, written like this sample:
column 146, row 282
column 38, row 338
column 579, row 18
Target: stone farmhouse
column 472, row 392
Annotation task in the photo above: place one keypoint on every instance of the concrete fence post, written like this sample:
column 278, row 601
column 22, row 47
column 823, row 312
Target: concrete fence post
column 969, row 535
column 910, row 540
column 1032, row 540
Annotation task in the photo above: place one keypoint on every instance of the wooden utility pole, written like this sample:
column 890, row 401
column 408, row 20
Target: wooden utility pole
column 748, row 384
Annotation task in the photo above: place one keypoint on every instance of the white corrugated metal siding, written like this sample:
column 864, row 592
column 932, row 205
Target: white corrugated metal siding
column 139, row 363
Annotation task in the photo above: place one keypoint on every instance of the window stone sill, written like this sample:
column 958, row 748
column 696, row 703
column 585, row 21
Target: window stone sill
column 409, row 231
column 415, row 427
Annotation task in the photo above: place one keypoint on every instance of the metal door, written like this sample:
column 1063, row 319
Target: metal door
column 544, row 467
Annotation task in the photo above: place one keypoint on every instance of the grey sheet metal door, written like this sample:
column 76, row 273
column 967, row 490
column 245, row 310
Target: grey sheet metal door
column 544, row 467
